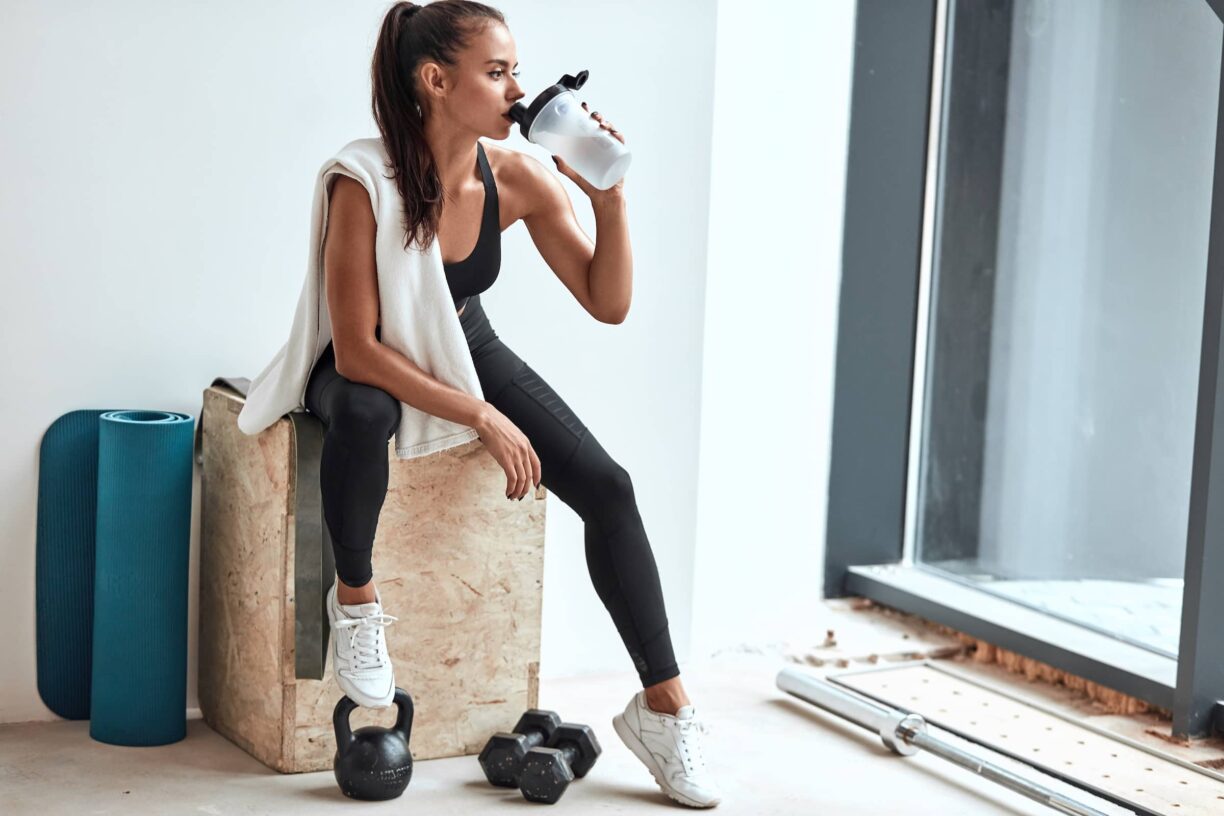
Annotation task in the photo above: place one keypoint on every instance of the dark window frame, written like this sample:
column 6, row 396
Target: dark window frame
column 878, row 310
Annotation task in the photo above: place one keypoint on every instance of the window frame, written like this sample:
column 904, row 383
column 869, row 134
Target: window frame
column 886, row 250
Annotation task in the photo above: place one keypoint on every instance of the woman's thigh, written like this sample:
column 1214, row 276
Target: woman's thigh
column 516, row 390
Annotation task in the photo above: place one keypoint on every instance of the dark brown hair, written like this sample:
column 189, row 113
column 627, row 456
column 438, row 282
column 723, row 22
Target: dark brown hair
column 411, row 33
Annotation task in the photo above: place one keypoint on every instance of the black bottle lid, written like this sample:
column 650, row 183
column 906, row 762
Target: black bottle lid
column 525, row 115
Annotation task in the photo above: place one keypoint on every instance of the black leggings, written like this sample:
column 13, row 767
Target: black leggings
column 354, row 471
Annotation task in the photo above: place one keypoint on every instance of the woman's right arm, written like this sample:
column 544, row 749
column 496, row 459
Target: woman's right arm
column 350, row 277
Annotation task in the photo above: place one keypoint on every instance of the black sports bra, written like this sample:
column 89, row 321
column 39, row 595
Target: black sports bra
column 476, row 273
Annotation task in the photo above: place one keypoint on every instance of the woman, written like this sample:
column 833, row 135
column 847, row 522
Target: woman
column 441, row 80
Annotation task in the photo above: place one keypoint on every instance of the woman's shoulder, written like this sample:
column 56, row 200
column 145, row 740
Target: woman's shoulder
column 521, row 178
column 512, row 163
column 362, row 159
column 367, row 156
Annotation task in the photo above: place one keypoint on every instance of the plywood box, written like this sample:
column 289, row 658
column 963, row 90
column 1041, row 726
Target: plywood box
column 458, row 565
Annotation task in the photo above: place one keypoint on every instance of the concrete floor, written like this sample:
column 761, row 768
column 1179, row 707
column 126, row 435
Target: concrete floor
column 774, row 754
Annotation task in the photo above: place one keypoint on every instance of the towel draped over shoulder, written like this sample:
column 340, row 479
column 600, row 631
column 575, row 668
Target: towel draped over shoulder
column 416, row 312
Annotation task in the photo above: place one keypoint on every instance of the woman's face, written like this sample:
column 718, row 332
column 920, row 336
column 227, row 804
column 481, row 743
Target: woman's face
column 481, row 88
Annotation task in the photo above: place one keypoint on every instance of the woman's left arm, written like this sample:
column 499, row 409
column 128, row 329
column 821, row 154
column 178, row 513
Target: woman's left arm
column 600, row 276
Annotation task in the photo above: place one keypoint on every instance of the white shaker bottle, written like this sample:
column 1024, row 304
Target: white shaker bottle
column 557, row 122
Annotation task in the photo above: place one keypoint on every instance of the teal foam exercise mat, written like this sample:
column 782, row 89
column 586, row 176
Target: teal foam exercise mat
column 64, row 561
column 114, row 526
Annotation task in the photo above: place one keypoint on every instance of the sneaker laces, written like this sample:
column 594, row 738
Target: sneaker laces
column 694, row 761
column 364, row 640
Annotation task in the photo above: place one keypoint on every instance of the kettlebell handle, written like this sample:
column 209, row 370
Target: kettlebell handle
column 403, row 720
column 344, row 708
column 340, row 721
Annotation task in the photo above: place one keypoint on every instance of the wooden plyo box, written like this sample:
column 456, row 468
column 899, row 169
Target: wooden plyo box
column 458, row 565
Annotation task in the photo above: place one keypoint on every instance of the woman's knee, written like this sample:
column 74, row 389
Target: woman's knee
column 613, row 485
column 605, row 490
column 363, row 411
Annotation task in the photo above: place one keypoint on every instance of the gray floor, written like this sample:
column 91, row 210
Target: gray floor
column 775, row 755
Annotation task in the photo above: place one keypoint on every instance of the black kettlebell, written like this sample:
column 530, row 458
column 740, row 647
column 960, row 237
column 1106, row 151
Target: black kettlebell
column 373, row 763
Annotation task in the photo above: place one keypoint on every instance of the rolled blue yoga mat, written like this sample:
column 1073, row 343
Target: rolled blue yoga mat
column 114, row 525
column 138, row 692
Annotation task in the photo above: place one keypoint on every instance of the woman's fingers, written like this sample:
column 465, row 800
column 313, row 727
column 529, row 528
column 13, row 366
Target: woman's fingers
column 529, row 467
column 516, row 484
column 594, row 114
column 605, row 124
column 514, row 469
column 526, row 485
column 525, row 469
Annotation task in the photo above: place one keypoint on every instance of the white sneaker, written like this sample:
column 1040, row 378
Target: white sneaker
column 360, row 662
column 670, row 748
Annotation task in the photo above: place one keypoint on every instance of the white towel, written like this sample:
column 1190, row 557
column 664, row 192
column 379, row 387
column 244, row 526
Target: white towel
column 416, row 312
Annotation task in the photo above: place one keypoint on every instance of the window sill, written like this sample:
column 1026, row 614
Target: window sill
column 1069, row 647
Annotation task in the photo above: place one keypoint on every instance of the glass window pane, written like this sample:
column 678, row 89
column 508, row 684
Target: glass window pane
column 1073, row 198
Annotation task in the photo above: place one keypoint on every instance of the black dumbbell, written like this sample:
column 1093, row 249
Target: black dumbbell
column 503, row 754
column 547, row 771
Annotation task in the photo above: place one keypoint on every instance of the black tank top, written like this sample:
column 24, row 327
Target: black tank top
column 476, row 273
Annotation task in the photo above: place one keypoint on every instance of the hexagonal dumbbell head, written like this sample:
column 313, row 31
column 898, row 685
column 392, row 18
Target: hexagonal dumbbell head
column 547, row 771
column 502, row 757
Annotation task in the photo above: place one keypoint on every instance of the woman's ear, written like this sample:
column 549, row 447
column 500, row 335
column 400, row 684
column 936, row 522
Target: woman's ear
column 433, row 80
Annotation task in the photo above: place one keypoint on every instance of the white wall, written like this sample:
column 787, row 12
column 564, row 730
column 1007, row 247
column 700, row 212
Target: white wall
column 154, row 230
column 781, row 122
